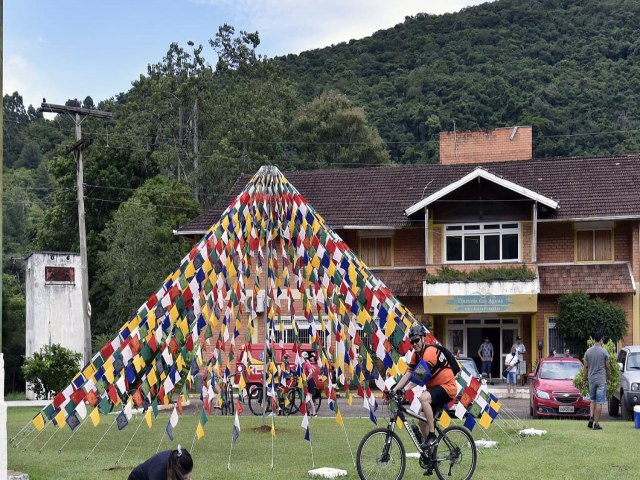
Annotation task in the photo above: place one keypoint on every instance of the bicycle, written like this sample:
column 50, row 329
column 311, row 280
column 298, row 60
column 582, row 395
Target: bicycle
column 226, row 398
column 381, row 453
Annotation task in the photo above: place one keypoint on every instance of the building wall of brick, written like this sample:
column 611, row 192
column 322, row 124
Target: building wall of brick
column 408, row 247
column 484, row 147
column 555, row 242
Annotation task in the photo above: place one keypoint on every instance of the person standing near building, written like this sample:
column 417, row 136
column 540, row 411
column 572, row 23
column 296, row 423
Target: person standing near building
column 597, row 370
column 511, row 366
column 485, row 352
column 522, row 366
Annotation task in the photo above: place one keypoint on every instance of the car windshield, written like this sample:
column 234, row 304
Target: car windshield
column 560, row 370
column 633, row 361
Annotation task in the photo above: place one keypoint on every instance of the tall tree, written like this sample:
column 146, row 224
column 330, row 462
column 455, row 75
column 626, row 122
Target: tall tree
column 139, row 249
column 331, row 132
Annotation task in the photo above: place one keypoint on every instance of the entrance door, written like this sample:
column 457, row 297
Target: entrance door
column 475, row 336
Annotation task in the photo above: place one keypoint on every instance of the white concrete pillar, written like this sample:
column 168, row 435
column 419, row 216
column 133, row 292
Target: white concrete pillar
column 3, row 424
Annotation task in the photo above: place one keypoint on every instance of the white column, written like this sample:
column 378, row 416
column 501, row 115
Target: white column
column 3, row 424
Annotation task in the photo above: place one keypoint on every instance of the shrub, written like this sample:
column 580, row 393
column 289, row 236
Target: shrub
column 580, row 317
column 447, row 274
column 50, row 370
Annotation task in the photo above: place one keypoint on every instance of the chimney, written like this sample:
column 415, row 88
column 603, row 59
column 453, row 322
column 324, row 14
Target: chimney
column 497, row 145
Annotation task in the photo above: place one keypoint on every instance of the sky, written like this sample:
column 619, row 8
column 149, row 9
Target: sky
column 61, row 49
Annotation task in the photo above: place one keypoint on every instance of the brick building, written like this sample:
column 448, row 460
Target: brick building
column 574, row 223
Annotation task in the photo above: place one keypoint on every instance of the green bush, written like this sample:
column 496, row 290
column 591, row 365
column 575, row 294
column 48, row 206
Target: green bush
column 448, row 274
column 580, row 317
column 50, row 370
column 581, row 383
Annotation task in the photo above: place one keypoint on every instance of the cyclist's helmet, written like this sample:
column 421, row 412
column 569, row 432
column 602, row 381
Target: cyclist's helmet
column 416, row 331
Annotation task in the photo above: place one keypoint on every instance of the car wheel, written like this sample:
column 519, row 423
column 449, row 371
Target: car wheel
column 614, row 406
column 624, row 410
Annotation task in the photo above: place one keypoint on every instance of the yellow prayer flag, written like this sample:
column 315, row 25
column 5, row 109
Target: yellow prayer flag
column 399, row 423
column 148, row 418
column 89, row 371
column 445, row 419
column 95, row 417
column 199, row 431
column 485, row 420
column 402, row 365
column 389, row 327
column 59, row 418
column 363, row 317
column 151, row 377
column 273, row 429
column 138, row 363
column 339, row 420
column 349, row 399
column 369, row 365
column 38, row 421
column 315, row 262
column 180, row 362
column 173, row 314
column 184, row 326
column 190, row 271
column 495, row 405
column 108, row 372
column 135, row 321
column 241, row 383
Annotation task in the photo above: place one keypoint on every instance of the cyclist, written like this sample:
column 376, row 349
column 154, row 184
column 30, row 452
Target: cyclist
column 440, row 389
column 309, row 369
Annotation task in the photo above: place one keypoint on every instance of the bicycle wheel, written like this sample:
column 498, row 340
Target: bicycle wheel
column 295, row 400
column 255, row 402
column 455, row 454
column 381, row 455
column 317, row 399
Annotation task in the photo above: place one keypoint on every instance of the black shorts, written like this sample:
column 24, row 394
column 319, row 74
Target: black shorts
column 439, row 397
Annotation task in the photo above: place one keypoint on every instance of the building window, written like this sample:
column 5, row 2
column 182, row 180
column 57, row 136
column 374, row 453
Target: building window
column 376, row 251
column 59, row 275
column 304, row 335
column 482, row 242
column 594, row 245
column 556, row 342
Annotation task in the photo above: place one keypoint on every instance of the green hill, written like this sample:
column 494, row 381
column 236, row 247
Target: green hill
column 569, row 68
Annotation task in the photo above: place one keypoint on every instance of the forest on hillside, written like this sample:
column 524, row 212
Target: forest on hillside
column 184, row 131
column 569, row 68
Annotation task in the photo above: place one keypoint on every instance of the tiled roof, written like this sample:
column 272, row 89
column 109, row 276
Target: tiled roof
column 405, row 282
column 590, row 278
column 586, row 188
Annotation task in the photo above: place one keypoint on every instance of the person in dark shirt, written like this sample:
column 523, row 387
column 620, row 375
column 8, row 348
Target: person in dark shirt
column 170, row 465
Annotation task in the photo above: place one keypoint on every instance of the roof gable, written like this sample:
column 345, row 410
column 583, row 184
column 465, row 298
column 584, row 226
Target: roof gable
column 481, row 173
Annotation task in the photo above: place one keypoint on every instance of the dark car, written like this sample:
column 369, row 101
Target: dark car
column 551, row 390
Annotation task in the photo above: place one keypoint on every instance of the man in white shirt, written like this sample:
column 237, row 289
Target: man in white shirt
column 520, row 350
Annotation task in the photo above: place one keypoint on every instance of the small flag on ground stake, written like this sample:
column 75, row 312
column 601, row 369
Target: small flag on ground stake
column 201, row 423
column 147, row 417
column 235, row 432
column 121, row 420
column 73, row 421
column 273, row 429
column 38, row 421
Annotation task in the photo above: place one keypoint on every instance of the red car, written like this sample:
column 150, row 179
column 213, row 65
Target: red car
column 551, row 390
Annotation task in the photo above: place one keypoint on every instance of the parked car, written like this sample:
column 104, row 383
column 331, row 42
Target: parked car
column 551, row 390
column 628, row 395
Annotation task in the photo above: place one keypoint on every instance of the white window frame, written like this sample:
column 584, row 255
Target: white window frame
column 478, row 229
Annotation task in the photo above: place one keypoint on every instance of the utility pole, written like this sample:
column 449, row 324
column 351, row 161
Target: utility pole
column 79, row 114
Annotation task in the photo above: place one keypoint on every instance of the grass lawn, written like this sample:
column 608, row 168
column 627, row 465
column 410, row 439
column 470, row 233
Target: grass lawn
column 568, row 451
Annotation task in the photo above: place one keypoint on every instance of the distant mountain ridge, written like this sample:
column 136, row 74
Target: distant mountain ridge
column 569, row 68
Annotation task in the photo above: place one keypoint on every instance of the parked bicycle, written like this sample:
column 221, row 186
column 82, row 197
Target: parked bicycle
column 381, row 453
column 289, row 398
column 226, row 404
